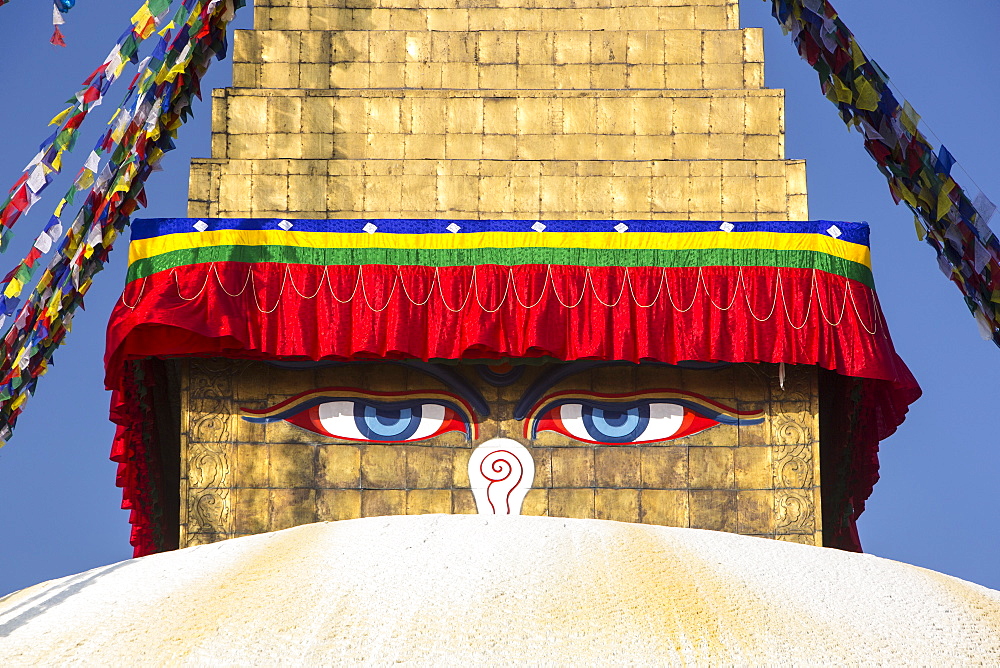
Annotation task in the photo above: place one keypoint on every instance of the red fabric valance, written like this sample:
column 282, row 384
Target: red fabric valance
column 713, row 314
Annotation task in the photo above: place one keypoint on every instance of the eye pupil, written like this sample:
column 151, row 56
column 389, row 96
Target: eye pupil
column 615, row 425
column 389, row 417
column 382, row 423
column 615, row 418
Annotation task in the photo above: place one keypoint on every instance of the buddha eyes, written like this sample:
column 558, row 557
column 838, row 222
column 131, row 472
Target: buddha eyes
column 402, row 417
column 372, row 417
column 646, row 417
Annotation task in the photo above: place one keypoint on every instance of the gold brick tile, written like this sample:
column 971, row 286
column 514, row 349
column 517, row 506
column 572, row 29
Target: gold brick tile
column 739, row 193
column 572, row 467
column 713, row 509
column 710, row 17
column 711, row 467
column 617, row 467
column 251, row 465
column 246, row 75
column 682, row 76
column 496, row 48
column 382, row 466
column 268, row 192
column 251, row 509
column 571, row 47
column 292, row 508
column 429, row 467
column 498, row 147
column 448, row 19
column 338, row 504
column 349, row 75
column 377, row 502
column 755, row 511
column 608, row 76
column 753, row 75
column 684, row 47
column 247, row 114
column 497, row 76
column 339, row 465
column 571, row 76
column 646, row 76
column 535, row 147
column 463, row 502
column 424, row 501
column 536, row 502
column 458, row 193
column 353, row 45
column 620, row 505
column 723, row 46
column 314, row 47
column 664, row 507
column 663, row 466
column 534, row 47
column 571, row 503
column 463, row 146
column 279, row 75
column 726, row 75
column 645, row 48
column 459, row 75
column 558, row 193
column 387, row 75
column 417, row 47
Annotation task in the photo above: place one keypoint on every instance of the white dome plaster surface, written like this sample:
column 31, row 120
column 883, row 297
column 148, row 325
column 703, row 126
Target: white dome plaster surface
column 464, row 589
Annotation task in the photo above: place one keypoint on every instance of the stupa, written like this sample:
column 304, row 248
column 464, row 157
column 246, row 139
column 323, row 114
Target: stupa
column 455, row 264
column 430, row 234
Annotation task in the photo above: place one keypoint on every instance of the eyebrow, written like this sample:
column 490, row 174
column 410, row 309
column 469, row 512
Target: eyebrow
column 549, row 380
column 455, row 382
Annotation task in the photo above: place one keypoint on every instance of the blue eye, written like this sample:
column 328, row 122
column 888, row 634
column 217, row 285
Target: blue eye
column 384, row 423
column 611, row 425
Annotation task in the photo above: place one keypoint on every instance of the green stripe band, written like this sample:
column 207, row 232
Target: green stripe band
column 465, row 257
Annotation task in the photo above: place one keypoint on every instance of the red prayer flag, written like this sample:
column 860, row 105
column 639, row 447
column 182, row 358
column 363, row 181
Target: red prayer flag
column 57, row 38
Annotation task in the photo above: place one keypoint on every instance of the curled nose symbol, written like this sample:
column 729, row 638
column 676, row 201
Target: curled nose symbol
column 501, row 472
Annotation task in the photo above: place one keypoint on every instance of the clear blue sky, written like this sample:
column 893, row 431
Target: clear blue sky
column 936, row 505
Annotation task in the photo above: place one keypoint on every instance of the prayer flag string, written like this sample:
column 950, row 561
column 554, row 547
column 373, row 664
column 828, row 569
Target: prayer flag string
column 953, row 223
column 141, row 131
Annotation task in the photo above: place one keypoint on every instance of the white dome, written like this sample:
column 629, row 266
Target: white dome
column 434, row 589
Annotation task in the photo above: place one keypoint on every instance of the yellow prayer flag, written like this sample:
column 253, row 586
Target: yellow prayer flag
column 944, row 202
column 867, row 95
column 61, row 116
column 142, row 17
column 13, row 288
column 907, row 195
column 19, row 399
column 921, row 232
column 857, row 55
column 844, row 93
column 85, row 180
column 909, row 118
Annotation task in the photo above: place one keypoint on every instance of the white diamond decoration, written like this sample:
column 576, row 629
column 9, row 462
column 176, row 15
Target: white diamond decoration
column 370, row 227
column 538, row 226
column 201, row 226
column 285, row 225
column 834, row 231
column 727, row 227
column 621, row 228
column 453, row 228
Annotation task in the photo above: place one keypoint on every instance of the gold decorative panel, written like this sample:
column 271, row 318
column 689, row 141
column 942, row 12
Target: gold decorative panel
column 242, row 477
